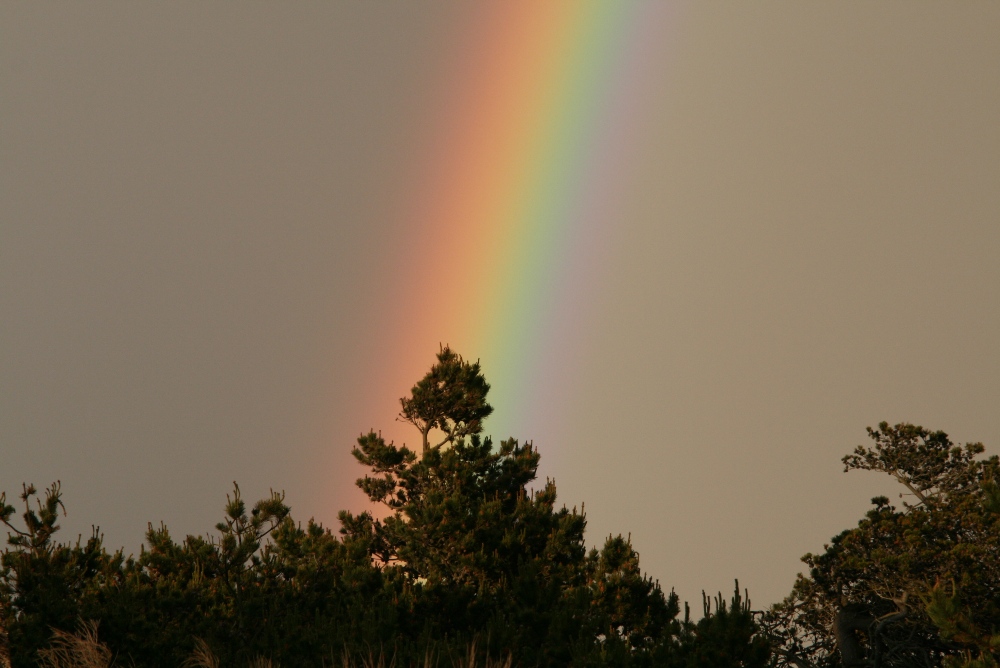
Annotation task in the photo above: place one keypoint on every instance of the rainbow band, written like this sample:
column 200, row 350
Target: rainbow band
column 518, row 201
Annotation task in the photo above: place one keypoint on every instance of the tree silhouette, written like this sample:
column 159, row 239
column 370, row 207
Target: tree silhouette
column 471, row 560
column 451, row 397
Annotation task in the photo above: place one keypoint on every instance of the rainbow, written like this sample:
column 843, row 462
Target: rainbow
column 516, row 208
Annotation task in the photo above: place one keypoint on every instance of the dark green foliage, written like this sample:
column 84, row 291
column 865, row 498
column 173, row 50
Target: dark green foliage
column 451, row 397
column 875, row 596
column 726, row 638
column 467, row 556
column 950, row 612
column 42, row 580
column 625, row 603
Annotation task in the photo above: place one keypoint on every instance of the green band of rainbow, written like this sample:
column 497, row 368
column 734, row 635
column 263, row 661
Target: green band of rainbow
column 518, row 201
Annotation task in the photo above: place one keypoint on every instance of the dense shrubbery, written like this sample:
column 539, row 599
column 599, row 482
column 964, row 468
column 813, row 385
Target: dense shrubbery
column 469, row 563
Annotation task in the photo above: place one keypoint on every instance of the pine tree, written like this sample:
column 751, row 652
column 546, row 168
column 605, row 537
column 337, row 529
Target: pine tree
column 910, row 586
column 468, row 559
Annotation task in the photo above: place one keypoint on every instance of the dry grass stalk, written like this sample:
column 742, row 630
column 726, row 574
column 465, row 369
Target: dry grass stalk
column 82, row 649
column 372, row 662
column 470, row 660
column 261, row 662
column 202, row 656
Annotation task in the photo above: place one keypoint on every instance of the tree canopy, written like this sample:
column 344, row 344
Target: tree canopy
column 917, row 585
column 466, row 558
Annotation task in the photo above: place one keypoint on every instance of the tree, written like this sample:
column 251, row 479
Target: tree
column 41, row 580
column 727, row 636
column 467, row 531
column 487, row 555
column 874, row 597
column 956, row 621
column 467, row 559
column 264, row 586
column 451, row 397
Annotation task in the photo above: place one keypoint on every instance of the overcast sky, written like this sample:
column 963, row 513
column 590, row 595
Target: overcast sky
column 201, row 222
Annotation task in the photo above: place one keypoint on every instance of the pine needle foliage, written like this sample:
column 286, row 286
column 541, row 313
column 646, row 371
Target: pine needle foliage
column 910, row 587
column 471, row 564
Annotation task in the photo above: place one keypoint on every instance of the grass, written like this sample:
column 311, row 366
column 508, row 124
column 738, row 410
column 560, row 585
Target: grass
column 76, row 650
column 83, row 649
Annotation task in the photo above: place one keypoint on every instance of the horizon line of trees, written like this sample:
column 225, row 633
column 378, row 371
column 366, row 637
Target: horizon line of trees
column 469, row 564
